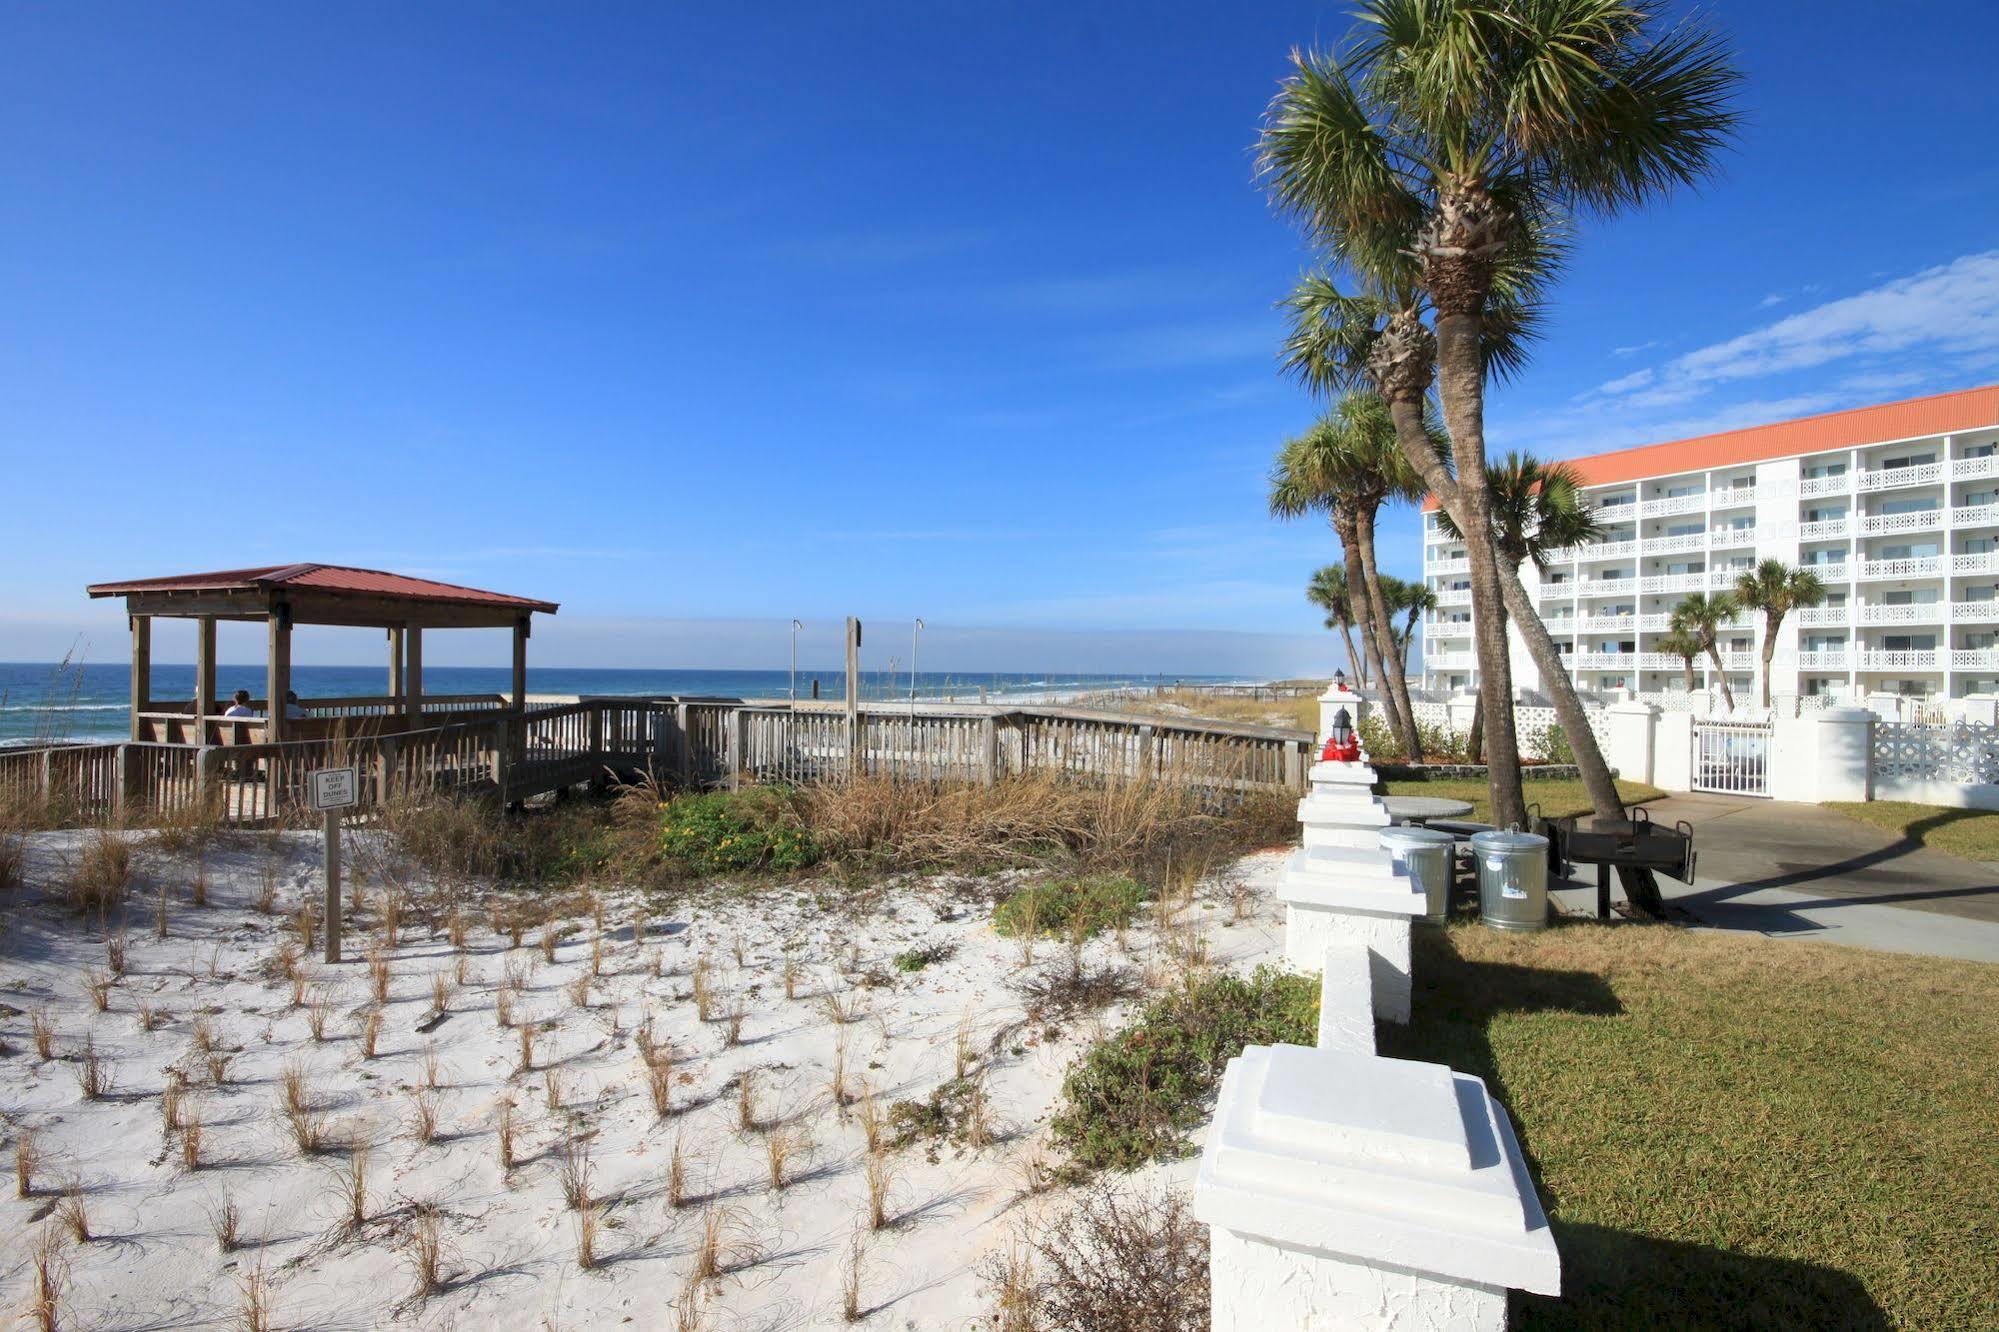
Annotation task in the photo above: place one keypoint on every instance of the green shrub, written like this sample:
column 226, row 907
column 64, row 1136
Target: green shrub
column 736, row 830
column 1084, row 906
column 1134, row 1096
column 916, row 959
column 1551, row 745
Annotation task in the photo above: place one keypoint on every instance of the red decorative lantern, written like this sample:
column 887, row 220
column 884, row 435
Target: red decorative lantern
column 1343, row 745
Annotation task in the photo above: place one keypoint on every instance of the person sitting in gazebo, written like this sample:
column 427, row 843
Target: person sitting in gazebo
column 239, row 706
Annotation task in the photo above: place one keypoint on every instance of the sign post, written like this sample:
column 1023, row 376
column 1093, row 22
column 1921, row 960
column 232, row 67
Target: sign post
column 332, row 790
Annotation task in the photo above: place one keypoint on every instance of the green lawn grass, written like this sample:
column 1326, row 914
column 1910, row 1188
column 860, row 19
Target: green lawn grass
column 1731, row 1131
column 1971, row 833
column 1557, row 799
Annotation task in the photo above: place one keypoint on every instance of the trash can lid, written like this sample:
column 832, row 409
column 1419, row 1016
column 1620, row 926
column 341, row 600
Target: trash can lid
column 1411, row 838
column 1509, row 840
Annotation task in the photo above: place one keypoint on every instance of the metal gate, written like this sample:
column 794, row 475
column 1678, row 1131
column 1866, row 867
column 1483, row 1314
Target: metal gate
column 1732, row 757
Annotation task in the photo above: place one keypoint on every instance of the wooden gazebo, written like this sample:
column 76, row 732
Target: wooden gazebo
column 283, row 596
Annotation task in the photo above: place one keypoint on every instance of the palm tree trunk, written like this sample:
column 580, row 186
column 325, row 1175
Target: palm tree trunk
column 1603, row 797
column 1357, row 593
column 1688, row 662
column 1772, row 622
column 1475, row 742
column 1461, row 386
column 1395, row 684
column 1354, row 662
column 1721, row 675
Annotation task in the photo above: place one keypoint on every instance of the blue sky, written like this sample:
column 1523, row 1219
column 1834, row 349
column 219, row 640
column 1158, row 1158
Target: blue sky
column 735, row 313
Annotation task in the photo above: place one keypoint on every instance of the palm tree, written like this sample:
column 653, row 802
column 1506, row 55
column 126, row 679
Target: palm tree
column 1679, row 643
column 1437, row 160
column 1328, row 591
column 1701, row 618
column 1776, row 589
column 1412, row 601
column 1347, row 466
column 1538, row 508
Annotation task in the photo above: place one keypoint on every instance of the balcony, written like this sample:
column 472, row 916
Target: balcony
column 1974, row 659
column 1731, row 538
column 1914, row 613
column 1459, row 597
column 1975, row 515
column 1970, row 469
column 1604, row 661
column 1826, row 485
column 1986, row 562
column 1825, row 529
column 1922, row 520
column 1444, row 568
column 1671, row 545
column 1660, row 508
column 1606, row 550
column 1619, row 624
column 1881, row 659
column 1824, row 659
column 1731, row 497
column 1975, row 612
column 1690, row 582
column 1450, row 661
column 1820, row 616
column 1926, row 566
column 1555, row 591
column 1889, row 478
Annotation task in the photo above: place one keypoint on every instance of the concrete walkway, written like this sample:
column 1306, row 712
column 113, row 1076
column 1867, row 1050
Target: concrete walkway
column 1797, row 871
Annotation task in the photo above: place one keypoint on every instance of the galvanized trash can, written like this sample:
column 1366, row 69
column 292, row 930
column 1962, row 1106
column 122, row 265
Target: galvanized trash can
column 1512, row 879
column 1428, row 855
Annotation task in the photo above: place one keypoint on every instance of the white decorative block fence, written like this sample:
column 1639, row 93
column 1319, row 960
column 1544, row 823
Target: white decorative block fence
column 1344, row 1190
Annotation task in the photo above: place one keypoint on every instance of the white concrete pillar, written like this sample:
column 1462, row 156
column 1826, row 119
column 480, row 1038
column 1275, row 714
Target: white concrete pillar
column 1982, row 709
column 1340, row 695
column 1846, row 754
column 1888, row 707
column 1632, row 739
column 1461, row 709
column 1347, row 1191
column 1673, row 751
column 1340, row 887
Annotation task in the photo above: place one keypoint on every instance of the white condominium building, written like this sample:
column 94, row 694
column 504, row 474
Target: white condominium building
column 1895, row 507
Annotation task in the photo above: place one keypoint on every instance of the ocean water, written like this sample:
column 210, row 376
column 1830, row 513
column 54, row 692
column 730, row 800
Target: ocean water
column 40, row 701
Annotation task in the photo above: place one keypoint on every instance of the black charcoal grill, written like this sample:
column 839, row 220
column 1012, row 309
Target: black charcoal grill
column 1637, row 848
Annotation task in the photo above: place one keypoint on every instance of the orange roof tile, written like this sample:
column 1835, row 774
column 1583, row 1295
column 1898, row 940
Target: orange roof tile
column 1966, row 409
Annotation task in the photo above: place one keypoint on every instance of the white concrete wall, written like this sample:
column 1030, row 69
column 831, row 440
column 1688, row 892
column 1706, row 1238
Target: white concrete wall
column 1252, row 1279
column 1673, row 751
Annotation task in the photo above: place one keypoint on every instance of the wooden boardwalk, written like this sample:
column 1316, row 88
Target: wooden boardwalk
column 685, row 741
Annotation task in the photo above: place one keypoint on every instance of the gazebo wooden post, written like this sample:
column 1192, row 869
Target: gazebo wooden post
column 142, row 670
column 396, row 664
column 520, row 663
column 413, row 676
column 277, row 670
column 204, row 675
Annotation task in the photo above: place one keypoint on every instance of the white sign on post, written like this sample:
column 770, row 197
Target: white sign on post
column 334, row 788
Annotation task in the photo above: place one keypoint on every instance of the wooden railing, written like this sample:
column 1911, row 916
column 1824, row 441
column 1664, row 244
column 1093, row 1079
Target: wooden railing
column 689, row 741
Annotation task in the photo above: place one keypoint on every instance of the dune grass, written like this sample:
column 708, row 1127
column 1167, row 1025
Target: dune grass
column 1557, row 799
column 1971, row 833
column 1731, row 1131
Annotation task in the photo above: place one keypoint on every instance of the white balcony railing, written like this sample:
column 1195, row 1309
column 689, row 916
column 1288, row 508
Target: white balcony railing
column 1881, row 659
column 1925, row 566
column 1825, row 529
column 1606, row 550
column 1730, row 538
column 1459, row 597
column 1823, row 659
column 1975, row 515
column 1659, row 508
column 1562, row 591
column 1922, row 520
column 1450, row 661
column 1733, row 497
column 1620, row 624
column 1970, row 469
column 1669, row 545
column 1443, row 568
column 1819, row 616
column 1974, row 659
column 1975, row 612
column 1826, row 485
column 1738, row 661
column 1985, row 562
column 1914, row 613
column 1888, row 478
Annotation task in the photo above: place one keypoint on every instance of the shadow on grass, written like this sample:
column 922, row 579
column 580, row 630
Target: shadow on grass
column 1613, row 1278
column 1610, row 1278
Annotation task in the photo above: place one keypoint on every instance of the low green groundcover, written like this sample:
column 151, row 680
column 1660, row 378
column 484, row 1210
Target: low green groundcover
column 1135, row 1096
column 735, row 830
column 1084, row 906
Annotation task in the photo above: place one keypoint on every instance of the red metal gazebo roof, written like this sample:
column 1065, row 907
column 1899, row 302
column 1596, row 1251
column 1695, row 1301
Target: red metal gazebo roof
column 336, row 579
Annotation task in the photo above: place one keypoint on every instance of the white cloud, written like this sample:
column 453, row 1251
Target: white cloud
column 1634, row 348
column 1774, row 298
column 1948, row 315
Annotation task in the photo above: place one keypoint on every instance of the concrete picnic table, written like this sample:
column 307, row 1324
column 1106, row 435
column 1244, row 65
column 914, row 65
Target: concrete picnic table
column 1421, row 809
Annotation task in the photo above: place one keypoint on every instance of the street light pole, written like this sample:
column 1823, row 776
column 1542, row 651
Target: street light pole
column 914, row 636
column 795, row 627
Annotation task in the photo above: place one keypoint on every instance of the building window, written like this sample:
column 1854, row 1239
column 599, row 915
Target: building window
column 1902, row 460
column 1816, row 470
